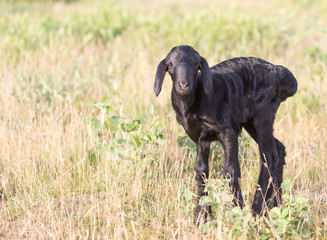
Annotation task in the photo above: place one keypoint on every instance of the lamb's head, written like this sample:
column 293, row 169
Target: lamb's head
column 183, row 63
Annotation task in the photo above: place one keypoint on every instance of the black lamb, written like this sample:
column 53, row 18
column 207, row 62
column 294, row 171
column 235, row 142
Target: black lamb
column 216, row 103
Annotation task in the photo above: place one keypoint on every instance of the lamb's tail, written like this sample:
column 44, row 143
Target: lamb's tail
column 287, row 83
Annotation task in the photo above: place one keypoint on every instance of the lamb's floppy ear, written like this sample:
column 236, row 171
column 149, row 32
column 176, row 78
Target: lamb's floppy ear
column 206, row 77
column 160, row 75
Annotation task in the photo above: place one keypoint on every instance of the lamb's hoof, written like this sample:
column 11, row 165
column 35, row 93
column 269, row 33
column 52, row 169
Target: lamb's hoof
column 202, row 215
column 256, row 210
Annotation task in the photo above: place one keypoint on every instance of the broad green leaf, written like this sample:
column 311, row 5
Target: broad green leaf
column 275, row 212
column 285, row 213
column 96, row 123
column 286, row 197
column 130, row 126
column 287, row 185
column 187, row 194
column 281, row 226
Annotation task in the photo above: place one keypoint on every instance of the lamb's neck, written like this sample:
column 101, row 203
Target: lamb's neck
column 182, row 105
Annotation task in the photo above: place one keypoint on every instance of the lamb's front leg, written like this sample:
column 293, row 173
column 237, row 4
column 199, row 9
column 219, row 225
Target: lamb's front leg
column 232, row 170
column 201, row 176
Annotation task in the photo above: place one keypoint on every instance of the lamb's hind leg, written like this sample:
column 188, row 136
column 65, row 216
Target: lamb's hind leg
column 272, row 156
column 276, row 198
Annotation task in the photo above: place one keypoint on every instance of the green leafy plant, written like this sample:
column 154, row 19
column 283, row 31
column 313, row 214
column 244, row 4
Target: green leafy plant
column 292, row 219
column 188, row 145
column 288, row 221
column 121, row 128
column 189, row 206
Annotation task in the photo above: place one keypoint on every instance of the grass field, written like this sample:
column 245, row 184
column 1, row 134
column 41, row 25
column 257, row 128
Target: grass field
column 88, row 152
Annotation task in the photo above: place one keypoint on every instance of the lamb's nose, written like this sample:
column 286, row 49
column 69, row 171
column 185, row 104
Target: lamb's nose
column 184, row 84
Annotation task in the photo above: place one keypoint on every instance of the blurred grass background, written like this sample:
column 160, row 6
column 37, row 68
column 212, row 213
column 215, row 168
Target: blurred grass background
column 74, row 74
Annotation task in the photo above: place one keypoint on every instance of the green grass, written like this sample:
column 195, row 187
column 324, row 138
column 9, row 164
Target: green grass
column 88, row 151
